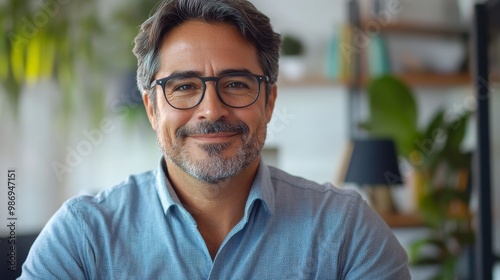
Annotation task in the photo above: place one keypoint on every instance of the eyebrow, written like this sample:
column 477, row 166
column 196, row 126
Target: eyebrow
column 198, row 73
column 230, row 71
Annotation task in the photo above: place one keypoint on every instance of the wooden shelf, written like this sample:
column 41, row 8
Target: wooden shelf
column 423, row 79
column 430, row 79
column 402, row 220
column 309, row 81
column 412, row 79
column 413, row 27
column 495, row 78
column 436, row 80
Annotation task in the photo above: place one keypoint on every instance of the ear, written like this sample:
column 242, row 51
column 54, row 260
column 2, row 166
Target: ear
column 271, row 99
column 148, row 104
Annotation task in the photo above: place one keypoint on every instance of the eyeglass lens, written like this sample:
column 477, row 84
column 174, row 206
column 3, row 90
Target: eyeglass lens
column 185, row 92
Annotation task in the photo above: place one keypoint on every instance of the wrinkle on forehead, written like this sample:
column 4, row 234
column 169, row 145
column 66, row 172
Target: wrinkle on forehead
column 208, row 48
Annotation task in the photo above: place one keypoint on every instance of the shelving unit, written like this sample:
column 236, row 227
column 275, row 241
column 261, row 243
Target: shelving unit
column 431, row 79
column 486, row 22
column 414, row 79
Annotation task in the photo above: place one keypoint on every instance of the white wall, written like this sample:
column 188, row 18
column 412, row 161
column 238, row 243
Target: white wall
column 309, row 129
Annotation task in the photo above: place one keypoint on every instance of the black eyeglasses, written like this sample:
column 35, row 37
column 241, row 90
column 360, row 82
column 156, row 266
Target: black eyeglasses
column 236, row 90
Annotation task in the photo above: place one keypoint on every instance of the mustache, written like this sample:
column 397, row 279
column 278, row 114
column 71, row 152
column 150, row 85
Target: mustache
column 218, row 126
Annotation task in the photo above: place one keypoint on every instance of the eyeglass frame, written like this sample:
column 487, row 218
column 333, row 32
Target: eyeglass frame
column 162, row 82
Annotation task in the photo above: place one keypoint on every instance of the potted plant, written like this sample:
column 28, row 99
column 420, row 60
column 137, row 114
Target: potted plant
column 440, row 170
column 43, row 42
column 292, row 64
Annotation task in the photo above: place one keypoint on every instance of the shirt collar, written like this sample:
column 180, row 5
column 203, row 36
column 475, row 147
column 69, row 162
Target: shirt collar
column 262, row 189
column 168, row 197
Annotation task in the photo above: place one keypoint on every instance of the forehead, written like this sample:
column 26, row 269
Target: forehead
column 201, row 46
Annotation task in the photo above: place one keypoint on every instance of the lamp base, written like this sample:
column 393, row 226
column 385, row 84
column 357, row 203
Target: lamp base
column 381, row 199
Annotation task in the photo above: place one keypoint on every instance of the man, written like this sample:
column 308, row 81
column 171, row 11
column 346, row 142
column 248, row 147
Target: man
column 213, row 209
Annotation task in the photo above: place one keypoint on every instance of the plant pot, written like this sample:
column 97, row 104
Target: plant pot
column 292, row 67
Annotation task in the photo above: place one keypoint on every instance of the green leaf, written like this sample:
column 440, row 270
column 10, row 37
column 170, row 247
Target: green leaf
column 393, row 112
column 291, row 45
column 415, row 255
column 414, row 250
column 456, row 132
column 448, row 269
column 430, row 142
column 436, row 123
column 434, row 206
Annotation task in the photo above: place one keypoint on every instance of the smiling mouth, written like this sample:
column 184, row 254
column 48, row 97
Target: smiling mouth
column 214, row 137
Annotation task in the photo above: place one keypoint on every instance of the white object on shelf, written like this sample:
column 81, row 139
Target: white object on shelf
column 292, row 67
column 417, row 53
column 428, row 12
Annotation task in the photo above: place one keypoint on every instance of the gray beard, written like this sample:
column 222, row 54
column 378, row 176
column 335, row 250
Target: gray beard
column 215, row 168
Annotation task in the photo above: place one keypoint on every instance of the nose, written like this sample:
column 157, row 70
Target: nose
column 211, row 107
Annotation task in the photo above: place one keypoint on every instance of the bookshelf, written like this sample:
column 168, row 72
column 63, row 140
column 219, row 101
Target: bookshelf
column 359, row 73
column 360, row 77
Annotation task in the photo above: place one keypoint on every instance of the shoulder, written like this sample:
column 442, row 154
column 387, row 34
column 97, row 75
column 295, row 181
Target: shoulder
column 330, row 205
column 286, row 183
column 121, row 199
column 80, row 232
column 98, row 218
column 341, row 220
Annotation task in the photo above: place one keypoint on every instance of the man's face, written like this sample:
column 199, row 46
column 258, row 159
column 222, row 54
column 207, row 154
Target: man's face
column 210, row 142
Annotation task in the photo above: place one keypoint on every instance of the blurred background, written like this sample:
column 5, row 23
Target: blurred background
column 72, row 120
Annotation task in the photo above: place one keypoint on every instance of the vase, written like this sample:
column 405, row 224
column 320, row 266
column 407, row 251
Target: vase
column 292, row 67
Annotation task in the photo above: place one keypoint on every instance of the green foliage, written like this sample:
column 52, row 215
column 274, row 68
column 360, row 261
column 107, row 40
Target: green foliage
column 124, row 27
column 291, row 45
column 125, row 24
column 45, row 41
column 72, row 44
column 435, row 153
column 393, row 112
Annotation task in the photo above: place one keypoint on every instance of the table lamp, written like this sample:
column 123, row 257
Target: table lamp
column 373, row 164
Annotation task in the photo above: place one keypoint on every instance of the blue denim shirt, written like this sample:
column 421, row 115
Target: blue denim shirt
column 292, row 229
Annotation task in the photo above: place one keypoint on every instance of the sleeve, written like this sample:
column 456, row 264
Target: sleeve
column 371, row 249
column 57, row 253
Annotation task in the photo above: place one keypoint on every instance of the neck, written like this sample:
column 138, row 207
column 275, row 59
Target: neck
column 217, row 208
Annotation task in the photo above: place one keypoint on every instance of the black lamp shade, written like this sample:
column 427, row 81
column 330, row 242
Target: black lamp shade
column 373, row 162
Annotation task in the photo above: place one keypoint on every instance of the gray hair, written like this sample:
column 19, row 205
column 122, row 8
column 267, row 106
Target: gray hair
column 253, row 25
